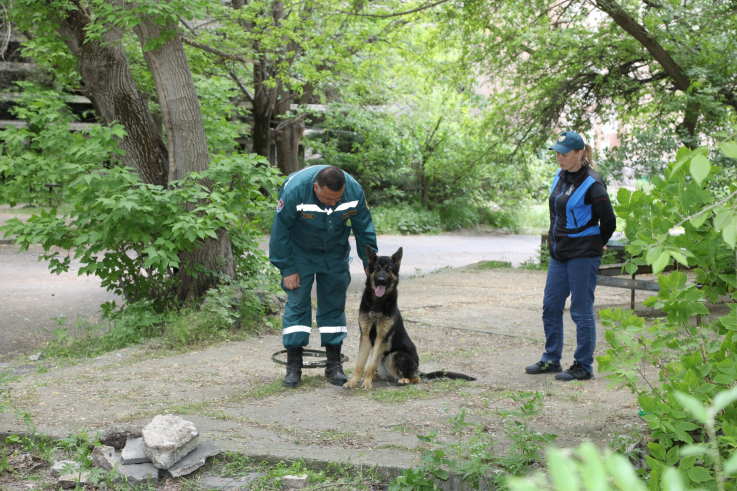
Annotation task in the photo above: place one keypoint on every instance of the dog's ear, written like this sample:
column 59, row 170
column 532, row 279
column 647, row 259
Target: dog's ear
column 370, row 254
column 397, row 257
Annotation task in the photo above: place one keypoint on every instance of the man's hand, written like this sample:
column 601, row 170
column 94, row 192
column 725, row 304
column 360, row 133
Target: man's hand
column 604, row 248
column 292, row 281
column 365, row 270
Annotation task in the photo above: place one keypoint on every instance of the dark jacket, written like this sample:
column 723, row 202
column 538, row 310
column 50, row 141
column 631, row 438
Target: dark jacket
column 574, row 226
column 303, row 225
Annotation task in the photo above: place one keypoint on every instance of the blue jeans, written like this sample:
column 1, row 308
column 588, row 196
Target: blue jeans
column 575, row 277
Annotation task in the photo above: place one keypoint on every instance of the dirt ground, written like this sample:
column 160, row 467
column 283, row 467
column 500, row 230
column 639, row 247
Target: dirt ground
column 483, row 322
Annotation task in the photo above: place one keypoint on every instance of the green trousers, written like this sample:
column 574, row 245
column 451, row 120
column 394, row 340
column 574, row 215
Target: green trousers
column 333, row 276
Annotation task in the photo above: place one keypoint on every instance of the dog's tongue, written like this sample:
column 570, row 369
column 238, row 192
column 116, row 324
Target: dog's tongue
column 380, row 290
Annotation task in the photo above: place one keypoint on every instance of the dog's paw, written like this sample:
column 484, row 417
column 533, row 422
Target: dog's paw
column 350, row 384
column 408, row 381
column 367, row 384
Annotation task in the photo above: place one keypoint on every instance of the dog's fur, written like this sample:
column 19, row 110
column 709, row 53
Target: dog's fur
column 384, row 342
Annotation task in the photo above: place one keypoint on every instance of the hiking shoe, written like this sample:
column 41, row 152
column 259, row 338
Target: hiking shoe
column 576, row 372
column 544, row 367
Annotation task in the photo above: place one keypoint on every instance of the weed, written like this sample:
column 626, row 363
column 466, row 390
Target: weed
column 471, row 457
column 418, row 274
column 493, row 265
column 336, row 476
column 542, row 261
column 441, row 269
column 427, row 357
column 467, row 353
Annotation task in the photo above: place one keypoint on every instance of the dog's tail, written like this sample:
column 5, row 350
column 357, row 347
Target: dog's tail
column 448, row 375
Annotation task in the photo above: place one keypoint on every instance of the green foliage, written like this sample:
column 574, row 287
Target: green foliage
column 541, row 263
column 405, row 220
column 42, row 151
column 494, row 265
column 587, row 469
column 698, row 359
column 471, row 457
column 227, row 312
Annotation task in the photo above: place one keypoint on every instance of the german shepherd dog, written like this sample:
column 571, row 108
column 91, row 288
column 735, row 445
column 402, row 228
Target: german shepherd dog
column 393, row 355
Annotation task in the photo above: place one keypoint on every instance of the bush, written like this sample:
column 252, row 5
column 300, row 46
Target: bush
column 694, row 361
column 405, row 220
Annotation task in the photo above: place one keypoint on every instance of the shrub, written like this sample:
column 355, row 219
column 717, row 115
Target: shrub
column 698, row 358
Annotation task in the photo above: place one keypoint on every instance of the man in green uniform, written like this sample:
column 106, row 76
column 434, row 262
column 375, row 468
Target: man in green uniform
column 309, row 240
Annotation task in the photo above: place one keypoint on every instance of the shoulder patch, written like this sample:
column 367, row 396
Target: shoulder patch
column 346, row 215
column 279, row 205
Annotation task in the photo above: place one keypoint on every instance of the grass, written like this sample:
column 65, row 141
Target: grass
column 403, row 394
column 336, row 476
column 276, row 388
column 493, row 265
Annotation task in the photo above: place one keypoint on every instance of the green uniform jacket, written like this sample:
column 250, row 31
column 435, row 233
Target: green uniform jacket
column 305, row 226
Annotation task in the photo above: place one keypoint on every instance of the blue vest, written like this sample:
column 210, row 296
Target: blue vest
column 574, row 230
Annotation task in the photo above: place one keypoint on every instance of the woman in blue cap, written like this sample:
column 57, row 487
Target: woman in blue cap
column 581, row 223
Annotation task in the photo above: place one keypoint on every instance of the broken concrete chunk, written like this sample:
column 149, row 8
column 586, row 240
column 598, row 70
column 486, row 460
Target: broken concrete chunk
column 117, row 435
column 139, row 473
column 63, row 467
column 105, row 457
column 67, row 481
column 295, row 482
column 195, row 459
column 133, row 452
column 37, row 357
column 167, row 439
column 228, row 484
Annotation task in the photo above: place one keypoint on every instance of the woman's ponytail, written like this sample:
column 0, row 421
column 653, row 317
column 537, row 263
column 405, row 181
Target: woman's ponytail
column 588, row 156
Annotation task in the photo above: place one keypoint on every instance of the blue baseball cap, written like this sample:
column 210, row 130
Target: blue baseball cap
column 567, row 141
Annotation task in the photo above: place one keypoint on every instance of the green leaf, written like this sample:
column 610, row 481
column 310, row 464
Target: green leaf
column 699, row 220
column 656, row 450
column 672, row 480
column 730, row 466
column 623, row 195
column 672, row 456
column 729, row 149
column 698, row 474
column 699, row 168
column 441, row 474
column 693, row 405
column 661, row 262
column 560, row 470
column 723, row 399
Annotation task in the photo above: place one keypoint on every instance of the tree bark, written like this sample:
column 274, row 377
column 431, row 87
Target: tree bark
column 110, row 86
column 287, row 136
column 180, row 109
column 264, row 101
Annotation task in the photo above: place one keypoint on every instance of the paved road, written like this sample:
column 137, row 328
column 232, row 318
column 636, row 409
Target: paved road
column 31, row 297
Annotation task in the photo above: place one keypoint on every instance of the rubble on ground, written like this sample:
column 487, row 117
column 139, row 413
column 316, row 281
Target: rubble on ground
column 169, row 444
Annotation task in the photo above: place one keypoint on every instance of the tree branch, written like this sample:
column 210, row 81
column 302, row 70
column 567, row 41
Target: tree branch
column 661, row 55
column 718, row 203
column 398, row 14
column 241, row 86
column 217, row 52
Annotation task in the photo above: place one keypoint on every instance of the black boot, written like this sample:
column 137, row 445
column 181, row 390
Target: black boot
column 294, row 368
column 333, row 366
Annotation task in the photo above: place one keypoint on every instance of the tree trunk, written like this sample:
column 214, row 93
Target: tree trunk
column 287, row 136
column 263, row 110
column 188, row 152
column 110, row 86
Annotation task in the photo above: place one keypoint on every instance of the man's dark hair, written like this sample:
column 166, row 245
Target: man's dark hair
column 332, row 177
